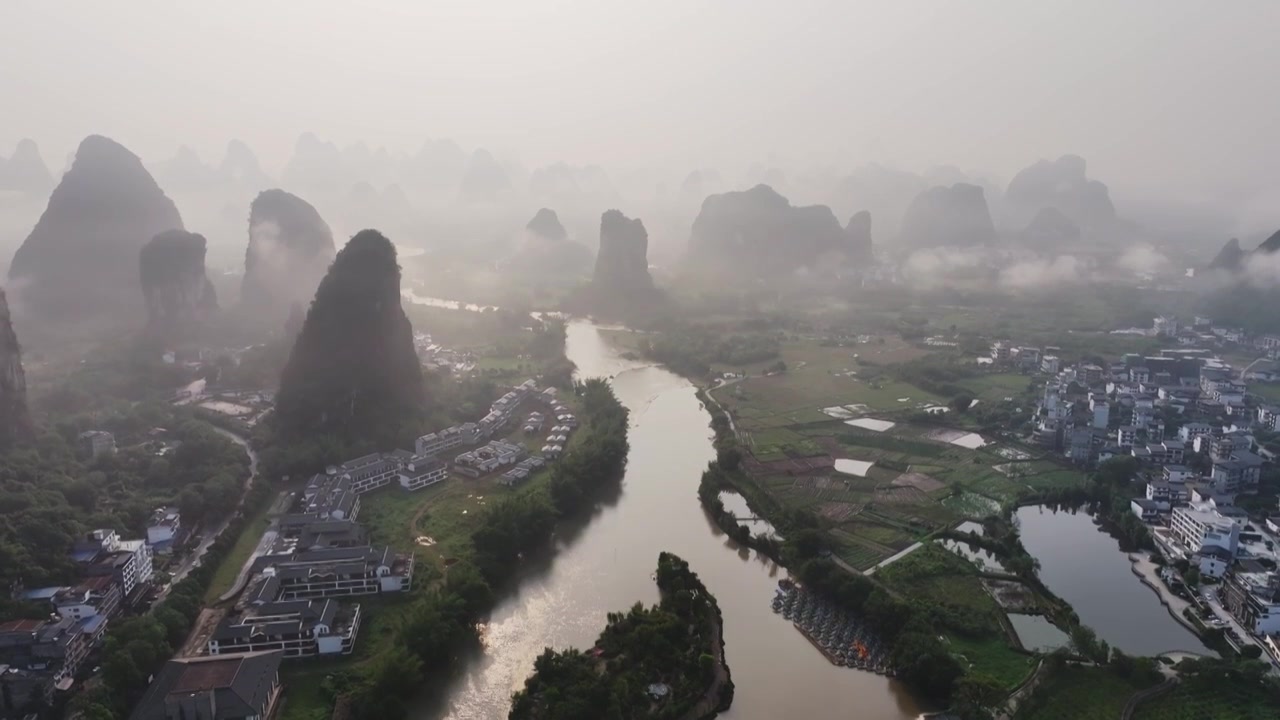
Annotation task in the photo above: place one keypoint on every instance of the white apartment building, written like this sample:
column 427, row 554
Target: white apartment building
column 370, row 472
column 103, row 553
column 336, row 572
column 298, row 628
column 1200, row 526
column 163, row 526
column 421, row 472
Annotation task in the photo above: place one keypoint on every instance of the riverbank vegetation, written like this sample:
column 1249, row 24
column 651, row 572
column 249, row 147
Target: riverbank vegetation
column 421, row 637
column 1075, row 692
column 1218, row 689
column 1203, row 688
column 665, row 661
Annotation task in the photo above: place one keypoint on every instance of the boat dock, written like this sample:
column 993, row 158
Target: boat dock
column 841, row 638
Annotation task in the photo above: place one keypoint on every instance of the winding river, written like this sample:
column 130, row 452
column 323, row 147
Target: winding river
column 606, row 564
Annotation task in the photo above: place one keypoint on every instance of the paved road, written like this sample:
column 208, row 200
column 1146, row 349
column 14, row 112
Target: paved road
column 894, row 557
column 211, row 533
column 1210, row 596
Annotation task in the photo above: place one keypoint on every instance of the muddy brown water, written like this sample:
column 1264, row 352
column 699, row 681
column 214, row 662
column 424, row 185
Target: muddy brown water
column 608, row 562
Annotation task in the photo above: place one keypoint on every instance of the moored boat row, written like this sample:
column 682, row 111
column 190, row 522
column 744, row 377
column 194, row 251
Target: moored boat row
column 844, row 639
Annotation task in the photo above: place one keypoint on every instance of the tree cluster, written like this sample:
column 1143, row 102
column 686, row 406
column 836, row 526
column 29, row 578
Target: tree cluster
column 672, row 643
column 50, row 497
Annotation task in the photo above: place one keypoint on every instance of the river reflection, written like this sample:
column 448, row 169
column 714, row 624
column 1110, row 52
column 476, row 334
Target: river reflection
column 608, row 566
column 1085, row 566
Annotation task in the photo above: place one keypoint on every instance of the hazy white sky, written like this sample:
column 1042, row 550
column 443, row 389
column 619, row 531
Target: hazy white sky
column 1183, row 92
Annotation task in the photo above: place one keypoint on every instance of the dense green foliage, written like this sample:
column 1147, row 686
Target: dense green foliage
column 602, row 457
column 692, row 352
column 49, row 498
column 513, row 526
column 353, row 372
column 939, row 374
column 1218, row 689
column 673, row 643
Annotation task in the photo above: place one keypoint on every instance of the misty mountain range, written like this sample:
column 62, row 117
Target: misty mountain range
column 1052, row 215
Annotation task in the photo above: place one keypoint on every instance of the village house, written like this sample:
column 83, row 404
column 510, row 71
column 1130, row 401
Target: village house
column 337, row 572
column 1213, row 562
column 163, row 529
column 1252, row 595
column 50, row 650
column 297, row 628
column 245, row 686
column 421, row 472
column 128, row 562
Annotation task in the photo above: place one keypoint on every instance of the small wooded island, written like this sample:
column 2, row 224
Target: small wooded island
column 666, row 661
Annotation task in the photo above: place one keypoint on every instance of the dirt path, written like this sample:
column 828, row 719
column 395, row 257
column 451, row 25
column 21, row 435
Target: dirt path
column 1011, row 703
column 201, row 630
column 210, row 535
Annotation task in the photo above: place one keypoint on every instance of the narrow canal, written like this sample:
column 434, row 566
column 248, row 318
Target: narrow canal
column 1085, row 566
column 607, row 566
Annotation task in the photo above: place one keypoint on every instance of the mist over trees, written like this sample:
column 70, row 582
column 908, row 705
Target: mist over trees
column 78, row 269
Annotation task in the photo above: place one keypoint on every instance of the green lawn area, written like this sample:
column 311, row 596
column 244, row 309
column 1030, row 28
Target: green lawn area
column 995, row 388
column 1201, row 700
column 757, row 401
column 387, row 514
column 453, row 507
column 777, row 443
column 226, row 574
column 380, row 617
column 1077, row 693
column 1269, row 391
column 938, row 576
column 993, row 656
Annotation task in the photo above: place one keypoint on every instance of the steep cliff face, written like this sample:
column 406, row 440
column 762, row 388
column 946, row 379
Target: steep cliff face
column 484, row 179
column 759, row 233
column 1063, row 184
column 353, row 373
column 546, row 225
column 25, row 171
column 185, row 172
column 1050, row 229
column 15, row 420
column 179, row 296
column 240, row 166
column 955, row 216
column 545, row 254
column 290, row 248
column 1269, row 246
column 622, row 265
column 1230, row 258
column 78, row 270
column 857, row 235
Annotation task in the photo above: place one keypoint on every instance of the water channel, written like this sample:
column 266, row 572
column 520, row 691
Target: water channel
column 608, row 564
column 1084, row 566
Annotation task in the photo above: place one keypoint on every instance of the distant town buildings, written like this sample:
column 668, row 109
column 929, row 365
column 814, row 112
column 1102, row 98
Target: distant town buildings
column 1200, row 440
column 41, row 657
column 297, row 599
